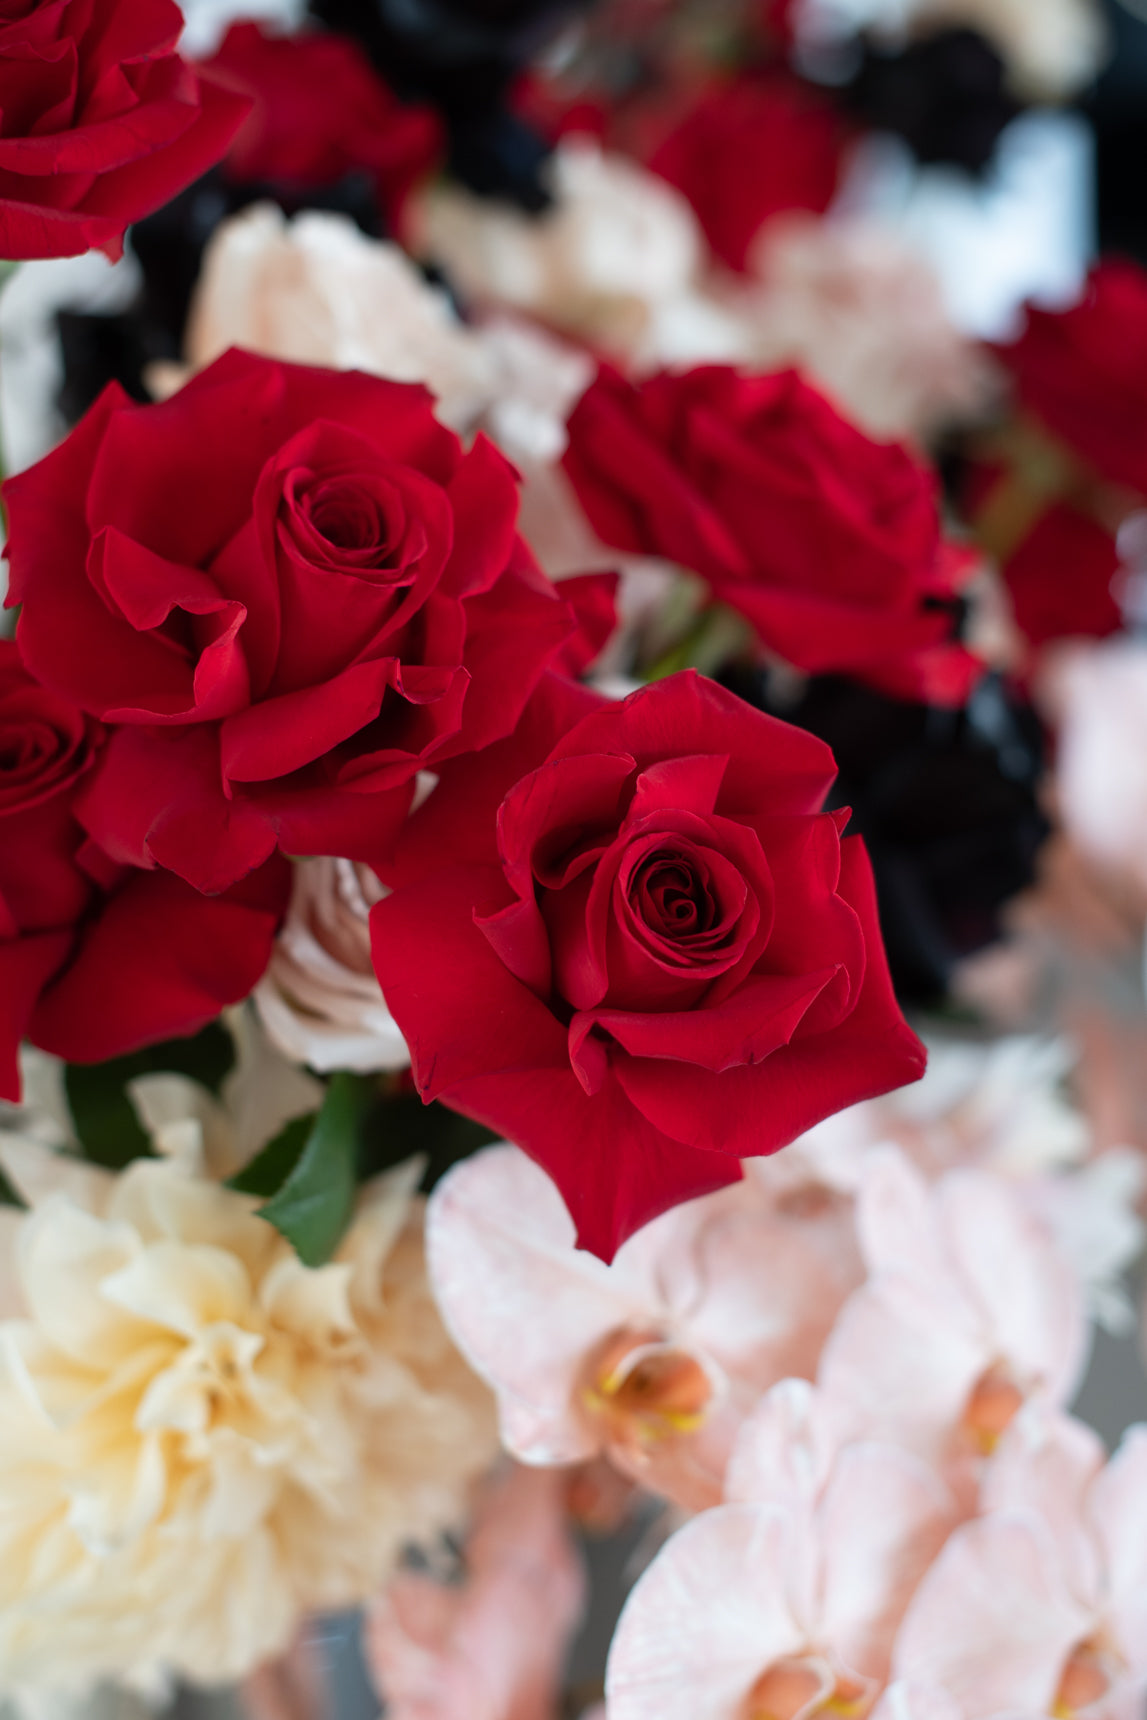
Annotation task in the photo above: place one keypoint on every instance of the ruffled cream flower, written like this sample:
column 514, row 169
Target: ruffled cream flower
column 319, row 999
column 617, row 261
column 200, row 1438
column 317, row 291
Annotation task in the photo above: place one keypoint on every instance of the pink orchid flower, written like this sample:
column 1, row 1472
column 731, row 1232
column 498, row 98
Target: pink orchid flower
column 969, row 1311
column 784, row 1602
column 1039, row 1607
column 493, row 1646
column 653, row 1360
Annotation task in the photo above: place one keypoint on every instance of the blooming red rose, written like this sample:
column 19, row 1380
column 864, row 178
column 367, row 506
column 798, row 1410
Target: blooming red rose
column 96, row 959
column 668, row 959
column 1084, row 372
column 290, row 589
column 827, row 542
column 751, row 148
column 100, row 121
column 321, row 111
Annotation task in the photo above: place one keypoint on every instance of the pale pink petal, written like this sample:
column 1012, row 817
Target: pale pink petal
column 525, row 1307
column 786, row 1448
column 1046, row 1464
column 991, row 1622
column 897, row 1220
column 706, row 1619
column 906, row 1700
column 493, row 1647
column 1119, row 1513
column 1029, row 1296
column 905, row 1356
column 883, row 1519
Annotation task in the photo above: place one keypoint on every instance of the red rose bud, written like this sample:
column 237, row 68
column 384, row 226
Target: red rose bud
column 288, row 590
column 826, row 542
column 100, row 122
column 665, row 960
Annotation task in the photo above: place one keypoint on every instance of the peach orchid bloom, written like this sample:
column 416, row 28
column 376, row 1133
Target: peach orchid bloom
column 655, row 1359
column 969, row 1311
column 783, row 1603
column 493, row 1646
column 1039, row 1607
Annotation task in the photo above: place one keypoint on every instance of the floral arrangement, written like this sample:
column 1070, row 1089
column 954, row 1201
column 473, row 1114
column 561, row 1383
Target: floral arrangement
column 572, row 895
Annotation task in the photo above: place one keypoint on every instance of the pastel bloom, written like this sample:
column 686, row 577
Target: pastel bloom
column 492, row 1646
column 654, row 1359
column 783, row 1602
column 616, row 261
column 969, row 1310
column 863, row 316
column 315, row 290
column 1100, row 691
column 319, row 1000
column 1040, row 1606
column 201, row 1439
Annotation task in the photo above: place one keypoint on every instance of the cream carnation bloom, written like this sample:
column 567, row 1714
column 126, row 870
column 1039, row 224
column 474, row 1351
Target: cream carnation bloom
column 201, row 1439
column 616, row 261
column 319, row 999
column 317, row 291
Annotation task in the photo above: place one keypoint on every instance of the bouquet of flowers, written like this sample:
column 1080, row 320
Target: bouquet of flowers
column 571, row 872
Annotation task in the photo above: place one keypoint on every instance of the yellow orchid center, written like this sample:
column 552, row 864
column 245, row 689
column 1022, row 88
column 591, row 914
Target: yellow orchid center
column 993, row 1404
column 1086, row 1678
column 646, row 1389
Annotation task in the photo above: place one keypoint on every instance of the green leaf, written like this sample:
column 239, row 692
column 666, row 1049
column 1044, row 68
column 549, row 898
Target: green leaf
column 402, row 1127
column 313, row 1204
column 108, row 1128
column 270, row 1168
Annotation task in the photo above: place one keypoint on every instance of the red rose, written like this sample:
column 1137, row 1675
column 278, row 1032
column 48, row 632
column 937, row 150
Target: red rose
column 100, row 121
column 668, row 961
column 290, row 589
column 96, row 960
column 321, row 111
column 751, row 148
column 1084, row 372
column 827, row 542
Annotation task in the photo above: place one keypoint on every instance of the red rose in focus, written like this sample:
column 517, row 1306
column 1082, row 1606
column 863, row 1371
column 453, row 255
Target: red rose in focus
column 321, row 111
column 752, row 148
column 100, row 121
column 668, row 961
column 1084, row 372
column 827, row 542
column 96, row 960
column 291, row 588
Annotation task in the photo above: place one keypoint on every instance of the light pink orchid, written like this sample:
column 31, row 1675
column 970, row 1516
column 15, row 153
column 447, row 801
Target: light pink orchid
column 493, row 1646
column 655, row 1359
column 784, row 1602
column 969, row 1311
column 1039, row 1607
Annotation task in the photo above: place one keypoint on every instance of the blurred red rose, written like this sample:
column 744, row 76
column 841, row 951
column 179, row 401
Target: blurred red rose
column 1083, row 372
column 667, row 960
column 321, row 111
column 828, row 543
column 290, row 589
column 751, row 148
column 100, row 121
column 96, row 959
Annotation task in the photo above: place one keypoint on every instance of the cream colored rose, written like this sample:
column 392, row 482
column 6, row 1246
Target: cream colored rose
column 617, row 261
column 201, row 1439
column 319, row 1000
column 317, row 291
column 863, row 316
